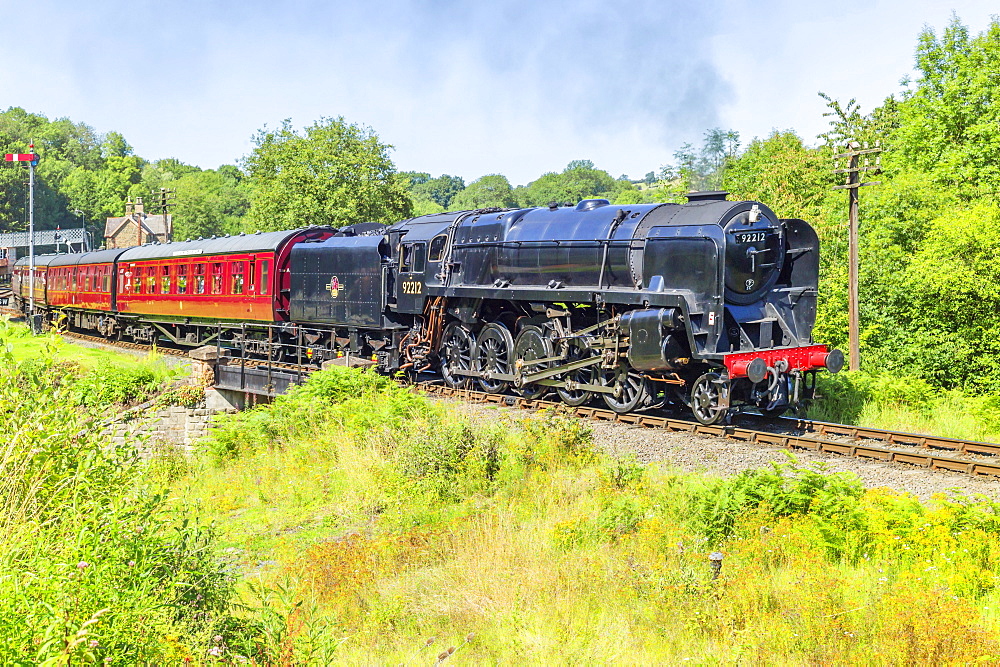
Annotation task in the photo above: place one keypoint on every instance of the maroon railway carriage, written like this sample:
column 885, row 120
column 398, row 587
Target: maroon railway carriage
column 20, row 281
column 83, row 286
column 181, row 291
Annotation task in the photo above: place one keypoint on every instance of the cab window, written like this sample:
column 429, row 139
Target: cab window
column 412, row 260
column 437, row 248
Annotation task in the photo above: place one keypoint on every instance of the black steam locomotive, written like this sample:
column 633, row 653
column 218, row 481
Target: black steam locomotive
column 708, row 304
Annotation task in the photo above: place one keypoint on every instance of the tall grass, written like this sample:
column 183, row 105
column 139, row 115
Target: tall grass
column 93, row 566
column 373, row 526
column 354, row 521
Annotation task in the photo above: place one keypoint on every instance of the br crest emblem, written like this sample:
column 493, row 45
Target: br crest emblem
column 333, row 287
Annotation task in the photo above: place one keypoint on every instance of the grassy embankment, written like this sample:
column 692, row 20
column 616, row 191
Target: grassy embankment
column 354, row 521
column 366, row 522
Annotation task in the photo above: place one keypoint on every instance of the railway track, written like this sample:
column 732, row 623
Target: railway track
column 925, row 451
column 803, row 434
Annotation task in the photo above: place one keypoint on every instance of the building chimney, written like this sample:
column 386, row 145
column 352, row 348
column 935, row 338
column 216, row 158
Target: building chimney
column 139, row 209
column 128, row 207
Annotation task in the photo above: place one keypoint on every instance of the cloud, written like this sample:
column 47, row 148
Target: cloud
column 462, row 87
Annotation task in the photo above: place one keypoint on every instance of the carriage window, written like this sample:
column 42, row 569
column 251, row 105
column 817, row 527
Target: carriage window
column 236, row 269
column 264, row 266
column 136, row 280
column 217, row 276
column 182, row 279
column 165, row 279
column 250, row 279
column 199, row 279
column 437, row 248
column 74, row 280
column 106, row 282
column 88, row 279
column 151, row 279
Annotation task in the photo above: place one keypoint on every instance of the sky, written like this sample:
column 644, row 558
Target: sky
column 516, row 87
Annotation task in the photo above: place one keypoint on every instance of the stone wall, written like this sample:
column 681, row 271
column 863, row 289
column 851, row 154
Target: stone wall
column 178, row 428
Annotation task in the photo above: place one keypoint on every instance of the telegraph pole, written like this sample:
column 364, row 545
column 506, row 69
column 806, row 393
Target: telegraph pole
column 854, row 150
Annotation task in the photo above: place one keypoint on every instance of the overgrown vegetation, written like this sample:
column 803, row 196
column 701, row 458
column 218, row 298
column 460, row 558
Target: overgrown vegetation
column 385, row 528
column 354, row 521
column 94, row 566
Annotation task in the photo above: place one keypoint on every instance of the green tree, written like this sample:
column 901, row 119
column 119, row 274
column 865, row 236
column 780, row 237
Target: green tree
column 440, row 190
column 948, row 127
column 432, row 195
column 579, row 180
column 208, row 203
column 489, row 191
column 334, row 172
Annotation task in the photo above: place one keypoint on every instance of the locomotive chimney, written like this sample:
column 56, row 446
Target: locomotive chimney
column 710, row 195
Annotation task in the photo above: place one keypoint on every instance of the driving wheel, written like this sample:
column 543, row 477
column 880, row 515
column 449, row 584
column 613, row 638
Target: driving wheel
column 456, row 355
column 531, row 344
column 631, row 389
column 493, row 353
column 578, row 349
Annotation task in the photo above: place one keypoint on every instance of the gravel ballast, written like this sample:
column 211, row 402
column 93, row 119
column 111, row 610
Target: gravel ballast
column 723, row 457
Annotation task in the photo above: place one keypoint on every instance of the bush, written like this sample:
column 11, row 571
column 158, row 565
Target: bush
column 779, row 490
column 115, row 384
column 188, row 396
column 450, row 458
column 361, row 402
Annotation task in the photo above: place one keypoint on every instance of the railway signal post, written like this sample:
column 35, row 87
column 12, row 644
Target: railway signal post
column 853, row 170
column 32, row 159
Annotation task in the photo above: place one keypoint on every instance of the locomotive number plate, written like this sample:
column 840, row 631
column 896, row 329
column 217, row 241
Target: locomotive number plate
column 751, row 237
column 412, row 287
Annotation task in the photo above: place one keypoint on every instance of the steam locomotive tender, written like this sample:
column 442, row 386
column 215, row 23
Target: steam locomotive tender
column 708, row 304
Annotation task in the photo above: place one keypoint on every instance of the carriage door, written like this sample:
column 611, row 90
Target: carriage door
column 410, row 287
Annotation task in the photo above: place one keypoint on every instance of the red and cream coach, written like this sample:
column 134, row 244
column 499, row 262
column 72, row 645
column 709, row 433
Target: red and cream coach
column 180, row 291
